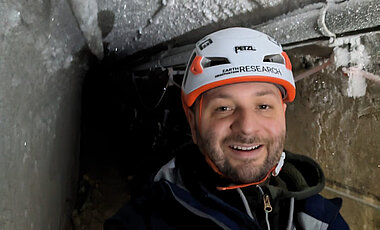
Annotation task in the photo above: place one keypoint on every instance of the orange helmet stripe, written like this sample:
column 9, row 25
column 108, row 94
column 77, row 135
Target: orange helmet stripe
column 290, row 90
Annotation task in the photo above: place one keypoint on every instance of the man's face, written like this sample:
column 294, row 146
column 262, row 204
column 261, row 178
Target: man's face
column 241, row 129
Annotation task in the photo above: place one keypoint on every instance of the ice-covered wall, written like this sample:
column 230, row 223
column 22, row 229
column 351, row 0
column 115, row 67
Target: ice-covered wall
column 143, row 24
column 41, row 70
column 335, row 119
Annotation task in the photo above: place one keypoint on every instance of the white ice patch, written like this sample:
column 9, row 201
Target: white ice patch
column 350, row 52
column 356, row 83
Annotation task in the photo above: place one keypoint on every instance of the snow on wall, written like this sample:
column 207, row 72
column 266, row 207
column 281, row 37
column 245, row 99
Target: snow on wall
column 350, row 52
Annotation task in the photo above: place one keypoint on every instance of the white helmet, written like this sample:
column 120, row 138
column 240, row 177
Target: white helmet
column 236, row 55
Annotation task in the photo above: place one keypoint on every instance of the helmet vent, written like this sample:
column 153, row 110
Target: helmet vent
column 214, row 61
column 275, row 58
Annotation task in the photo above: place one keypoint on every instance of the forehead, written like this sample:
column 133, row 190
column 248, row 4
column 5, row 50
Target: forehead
column 244, row 89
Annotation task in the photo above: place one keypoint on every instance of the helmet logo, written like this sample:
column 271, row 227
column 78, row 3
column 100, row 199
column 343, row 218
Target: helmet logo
column 204, row 44
column 244, row 48
column 254, row 69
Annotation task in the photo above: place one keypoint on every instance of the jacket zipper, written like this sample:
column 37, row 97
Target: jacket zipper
column 267, row 206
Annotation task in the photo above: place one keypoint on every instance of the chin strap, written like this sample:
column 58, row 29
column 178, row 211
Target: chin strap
column 279, row 165
column 274, row 171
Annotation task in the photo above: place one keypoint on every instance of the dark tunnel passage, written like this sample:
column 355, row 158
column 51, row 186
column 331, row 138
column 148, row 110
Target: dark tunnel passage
column 131, row 125
column 83, row 128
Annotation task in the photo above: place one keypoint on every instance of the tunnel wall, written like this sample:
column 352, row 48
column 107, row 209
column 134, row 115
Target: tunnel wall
column 41, row 69
column 335, row 119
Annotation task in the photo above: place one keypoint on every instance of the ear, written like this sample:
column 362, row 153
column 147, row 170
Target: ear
column 192, row 123
column 284, row 105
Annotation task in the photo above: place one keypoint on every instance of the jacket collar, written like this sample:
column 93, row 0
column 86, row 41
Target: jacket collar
column 300, row 177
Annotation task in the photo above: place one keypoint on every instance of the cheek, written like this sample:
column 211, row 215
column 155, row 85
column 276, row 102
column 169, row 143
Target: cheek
column 214, row 127
column 274, row 126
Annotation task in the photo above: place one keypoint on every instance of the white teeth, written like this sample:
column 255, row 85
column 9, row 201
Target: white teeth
column 245, row 148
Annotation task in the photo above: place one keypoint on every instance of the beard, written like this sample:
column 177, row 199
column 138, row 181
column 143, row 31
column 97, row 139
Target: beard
column 246, row 171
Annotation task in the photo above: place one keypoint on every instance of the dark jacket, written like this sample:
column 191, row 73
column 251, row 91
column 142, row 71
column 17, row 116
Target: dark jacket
column 184, row 196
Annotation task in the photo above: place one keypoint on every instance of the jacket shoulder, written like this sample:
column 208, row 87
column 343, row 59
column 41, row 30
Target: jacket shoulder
column 318, row 212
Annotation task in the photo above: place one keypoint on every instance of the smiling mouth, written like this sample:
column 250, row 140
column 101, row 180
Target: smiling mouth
column 245, row 148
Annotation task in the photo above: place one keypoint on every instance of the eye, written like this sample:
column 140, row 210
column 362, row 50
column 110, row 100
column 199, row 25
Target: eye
column 223, row 109
column 264, row 107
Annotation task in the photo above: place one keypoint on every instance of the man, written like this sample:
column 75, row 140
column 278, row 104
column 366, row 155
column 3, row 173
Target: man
column 236, row 176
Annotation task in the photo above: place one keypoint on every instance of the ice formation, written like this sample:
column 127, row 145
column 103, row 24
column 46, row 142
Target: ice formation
column 349, row 52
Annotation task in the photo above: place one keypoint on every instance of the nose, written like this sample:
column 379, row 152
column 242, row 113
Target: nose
column 246, row 123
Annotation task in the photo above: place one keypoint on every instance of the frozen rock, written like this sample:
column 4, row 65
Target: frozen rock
column 86, row 13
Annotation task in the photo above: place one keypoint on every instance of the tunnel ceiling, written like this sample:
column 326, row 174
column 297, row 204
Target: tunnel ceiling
column 130, row 26
column 125, row 27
